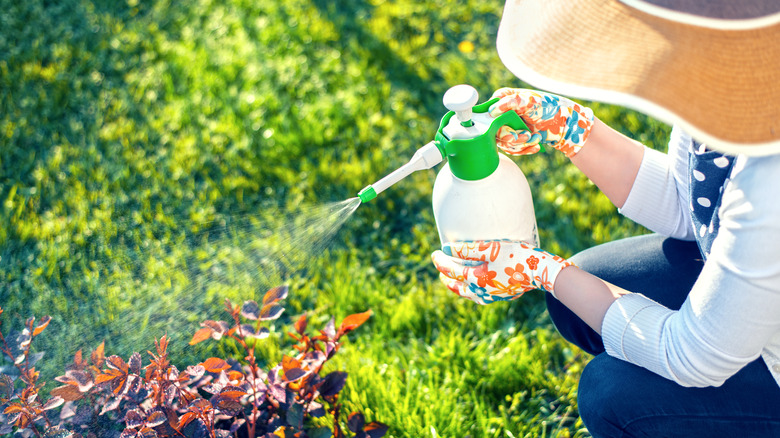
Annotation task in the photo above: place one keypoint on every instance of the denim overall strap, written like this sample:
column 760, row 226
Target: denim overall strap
column 709, row 172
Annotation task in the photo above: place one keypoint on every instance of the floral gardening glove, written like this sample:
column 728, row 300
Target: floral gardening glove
column 496, row 270
column 553, row 121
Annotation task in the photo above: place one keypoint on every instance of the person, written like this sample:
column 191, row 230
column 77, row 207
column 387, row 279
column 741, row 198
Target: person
column 683, row 323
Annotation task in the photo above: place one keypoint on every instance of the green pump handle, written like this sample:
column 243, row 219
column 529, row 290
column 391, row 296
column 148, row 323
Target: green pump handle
column 475, row 158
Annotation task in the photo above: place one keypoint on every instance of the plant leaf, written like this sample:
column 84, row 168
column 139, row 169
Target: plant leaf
column 261, row 334
column 250, row 310
column 356, row 422
column 147, row 432
column 31, row 396
column 13, row 408
column 278, row 392
column 375, row 429
column 117, row 363
column 333, row 383
column 271, row 312
column 195, row 371
column 354, row 321
column 162, row 346
column 133, row 419
column 294, row 374
column 245, row 330
column 219, row 328
column 233, row 392
column 289, row 362
column 117, row 379
column 330, row 329
column 13, row 418
column 301, row 323
column 42, row 325
column 98, row 356
column 215, row 365
column 82, row 380
column 107, row 376
column 68, row 410
column 201, row 335
column 110, row 405
column 235, row 375
column 135, row 363
column 78, row 360
column 67, row 392
column 227, row 406
column 200, row 405
column 156, row 418
column 275, row 294
column 185, row 419
column 24, row 339
column 316, row 410
column 170, row 394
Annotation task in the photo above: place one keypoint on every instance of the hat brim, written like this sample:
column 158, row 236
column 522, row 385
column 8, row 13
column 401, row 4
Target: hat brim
column 722, row 87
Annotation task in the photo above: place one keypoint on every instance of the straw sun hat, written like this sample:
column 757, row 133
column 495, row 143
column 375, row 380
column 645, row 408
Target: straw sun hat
column 710, row 66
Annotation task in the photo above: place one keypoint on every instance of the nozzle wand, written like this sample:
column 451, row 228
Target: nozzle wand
column 425, row 158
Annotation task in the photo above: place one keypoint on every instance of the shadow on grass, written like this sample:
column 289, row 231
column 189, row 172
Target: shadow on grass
column 346, row 16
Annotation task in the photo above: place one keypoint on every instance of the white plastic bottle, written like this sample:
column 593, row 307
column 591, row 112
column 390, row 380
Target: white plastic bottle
column 480, row 194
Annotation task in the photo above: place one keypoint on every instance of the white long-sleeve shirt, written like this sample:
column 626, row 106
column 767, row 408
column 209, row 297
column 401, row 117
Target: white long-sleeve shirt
column 732, row 314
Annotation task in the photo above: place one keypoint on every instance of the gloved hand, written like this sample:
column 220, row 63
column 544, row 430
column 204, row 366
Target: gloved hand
column 553, row 121
column 496, row 270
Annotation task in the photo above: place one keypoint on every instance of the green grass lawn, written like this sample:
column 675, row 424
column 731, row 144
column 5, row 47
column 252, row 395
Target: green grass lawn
column 129, row 129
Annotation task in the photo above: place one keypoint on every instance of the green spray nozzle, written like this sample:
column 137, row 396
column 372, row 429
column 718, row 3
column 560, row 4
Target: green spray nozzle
column 477, row 157
column 368, row 193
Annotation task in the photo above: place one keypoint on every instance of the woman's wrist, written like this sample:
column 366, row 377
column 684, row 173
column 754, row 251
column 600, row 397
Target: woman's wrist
column 611, row 160
column 586, row 295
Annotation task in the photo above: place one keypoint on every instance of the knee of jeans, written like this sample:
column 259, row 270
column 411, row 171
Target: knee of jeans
column 601, row 396
column 591, row 260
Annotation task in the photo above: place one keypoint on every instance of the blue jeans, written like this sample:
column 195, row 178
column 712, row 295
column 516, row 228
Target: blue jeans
column 619, row 399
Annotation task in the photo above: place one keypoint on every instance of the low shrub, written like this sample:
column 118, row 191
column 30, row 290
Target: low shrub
column 108, row 396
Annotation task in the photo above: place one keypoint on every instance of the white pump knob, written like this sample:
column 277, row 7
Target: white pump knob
column 460, row 99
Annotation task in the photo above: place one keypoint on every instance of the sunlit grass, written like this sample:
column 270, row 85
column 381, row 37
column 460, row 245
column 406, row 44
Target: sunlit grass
column 125, row 125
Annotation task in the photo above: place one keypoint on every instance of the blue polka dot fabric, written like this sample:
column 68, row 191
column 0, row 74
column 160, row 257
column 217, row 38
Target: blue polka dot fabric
column 709, row 174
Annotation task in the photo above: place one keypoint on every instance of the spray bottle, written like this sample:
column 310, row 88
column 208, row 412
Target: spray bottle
column 479, row 194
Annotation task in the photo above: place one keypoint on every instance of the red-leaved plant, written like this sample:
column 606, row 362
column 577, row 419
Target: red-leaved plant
column 110, row 397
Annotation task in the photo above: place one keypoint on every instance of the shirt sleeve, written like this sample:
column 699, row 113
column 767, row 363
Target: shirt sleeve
column 734, row 307
column 658, row 199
